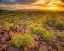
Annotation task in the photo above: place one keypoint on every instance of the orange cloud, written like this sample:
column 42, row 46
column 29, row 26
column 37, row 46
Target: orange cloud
column 37, row 5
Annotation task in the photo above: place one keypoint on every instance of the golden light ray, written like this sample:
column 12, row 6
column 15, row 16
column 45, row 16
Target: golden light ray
column 53, row 5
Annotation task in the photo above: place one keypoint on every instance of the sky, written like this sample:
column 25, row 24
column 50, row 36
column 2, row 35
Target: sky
column 22, row 4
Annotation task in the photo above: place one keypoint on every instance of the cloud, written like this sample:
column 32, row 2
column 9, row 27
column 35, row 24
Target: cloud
column 62, row 1
column 23, row 4
column 26, row 1
column 17, row 1
column 9, row 1
column 22, row 1
column 17, row 6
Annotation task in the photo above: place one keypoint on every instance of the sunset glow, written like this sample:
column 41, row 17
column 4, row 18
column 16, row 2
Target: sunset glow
column 53, row 8
column 38, row 4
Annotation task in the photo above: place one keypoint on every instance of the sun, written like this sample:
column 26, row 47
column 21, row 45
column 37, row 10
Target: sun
column 53, row 8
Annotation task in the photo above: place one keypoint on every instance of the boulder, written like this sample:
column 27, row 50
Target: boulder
column 62, row 44
column 44, row 43
column 26, row 49
column 13, row 48
column 36, row 37
column 43, row 48
column 11, row 33
column 1, row 36
column 4, row 47
column 2, row 40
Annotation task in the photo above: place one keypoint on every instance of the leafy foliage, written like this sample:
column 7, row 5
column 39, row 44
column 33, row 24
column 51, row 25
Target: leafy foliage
column 22, row 40
column 47, row 36
column 7, row 25
column 38, row 31
column 61, row 36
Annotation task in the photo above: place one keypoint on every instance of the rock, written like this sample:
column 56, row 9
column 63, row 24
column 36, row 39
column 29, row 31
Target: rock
column 44, row 43
column 7, row 37
column 26, row 49
column 11, row 33
column 43, row 48
column 36, row 37
column 53, row 45
column 62, row 43
column 8, row 43
column 2, row 40
column 0, row 49
column 4, row 47
column 60, row 48
column 12, row 29
column 37, row 45
column 56, row 46
column 2, row 31
column 13, row 48
column 18, row 28
column 27, row 30
column 40, row 37
column 53, row 28
column 0, row 45
column 48, row 28
column 49, row 47
column 52, row 49
column 1, row 36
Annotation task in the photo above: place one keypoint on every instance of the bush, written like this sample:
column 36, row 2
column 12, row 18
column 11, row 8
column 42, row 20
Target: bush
column 47, row 36
column 31, row 27
column 59, row 25
column 37, row 28
column 22, row 40
column 38, row 31
column 7, row 25
column 61, row 37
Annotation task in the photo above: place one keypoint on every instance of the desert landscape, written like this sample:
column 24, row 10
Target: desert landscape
column 31, row 25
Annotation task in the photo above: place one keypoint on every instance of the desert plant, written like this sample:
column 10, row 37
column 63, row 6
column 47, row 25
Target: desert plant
column 59, row 25
column 37, row 28
column 7, row 25
column 61, row 36
column 47, row 36
column 22, row 40
column 38, row 31
column 31, row 27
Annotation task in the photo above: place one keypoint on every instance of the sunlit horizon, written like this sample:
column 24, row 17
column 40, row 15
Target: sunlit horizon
column 53, row 5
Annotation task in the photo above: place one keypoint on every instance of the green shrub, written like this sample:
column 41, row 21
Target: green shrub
column 22, row 40
column 7, row 25
column 37, row 28
column 38, row 31
column 31, row 27
column 59, row 25
column 47, row 36
column 61, row 36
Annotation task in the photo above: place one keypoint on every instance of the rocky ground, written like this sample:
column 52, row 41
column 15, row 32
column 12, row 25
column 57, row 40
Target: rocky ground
column 5, row 40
